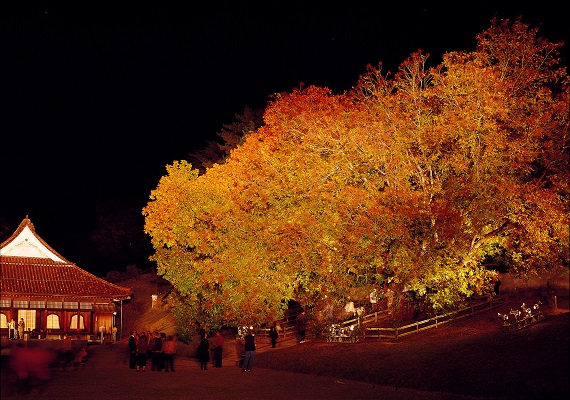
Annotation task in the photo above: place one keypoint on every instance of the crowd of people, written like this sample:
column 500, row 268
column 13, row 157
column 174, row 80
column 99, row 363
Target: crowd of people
column 151, row 347
column 155, row 351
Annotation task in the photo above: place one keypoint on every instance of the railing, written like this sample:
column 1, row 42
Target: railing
column 434, row 322
column 288, row 328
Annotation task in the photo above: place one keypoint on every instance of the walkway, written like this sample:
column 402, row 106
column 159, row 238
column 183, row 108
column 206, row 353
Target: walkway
column 106, row 376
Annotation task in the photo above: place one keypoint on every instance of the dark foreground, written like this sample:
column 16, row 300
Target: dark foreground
column 470, row 356
column 467, row 359
column 107, row 376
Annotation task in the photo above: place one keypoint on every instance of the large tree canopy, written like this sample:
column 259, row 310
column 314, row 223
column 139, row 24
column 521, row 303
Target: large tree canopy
column 419, row 177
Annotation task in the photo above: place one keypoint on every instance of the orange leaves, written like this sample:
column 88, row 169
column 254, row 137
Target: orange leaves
column 420, row 176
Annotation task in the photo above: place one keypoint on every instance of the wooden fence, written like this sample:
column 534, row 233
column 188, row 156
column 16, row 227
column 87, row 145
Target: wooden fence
column 393, row 333
column 288, row 328
column 366, row 322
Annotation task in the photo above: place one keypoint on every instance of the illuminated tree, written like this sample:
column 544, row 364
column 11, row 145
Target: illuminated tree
column 417, row 178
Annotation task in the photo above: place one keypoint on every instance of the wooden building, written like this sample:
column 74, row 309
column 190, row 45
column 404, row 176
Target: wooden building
column 53, row 294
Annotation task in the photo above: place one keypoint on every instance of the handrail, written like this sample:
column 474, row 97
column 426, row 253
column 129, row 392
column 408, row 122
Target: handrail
column 434, row 322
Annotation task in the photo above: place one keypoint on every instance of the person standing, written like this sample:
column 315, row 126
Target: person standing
column 155, row 346
column 497, row 286
column 150, row 351
column 274, row 334
column 142, row 348
column 301, row 322
column 161, row 356
column 21, row 327
column 218, row 349
column 349, row 309
column 169, row 350
column 389, row 299
column 12, row 329
column 133, row 350
column 203, row 350
column 374, row 300
column 249, row 351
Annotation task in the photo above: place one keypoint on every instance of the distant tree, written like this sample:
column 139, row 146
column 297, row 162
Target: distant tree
column 5, row 230
column 417, row 179
column 119, row 238
column 231, row 136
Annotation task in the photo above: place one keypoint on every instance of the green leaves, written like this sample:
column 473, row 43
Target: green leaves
column 415, row 180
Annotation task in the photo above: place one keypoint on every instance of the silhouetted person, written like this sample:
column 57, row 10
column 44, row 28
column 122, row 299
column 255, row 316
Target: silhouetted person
column 274, row 334
column 203, row 350
column 142, row 348
column 133, row 350
column 218, row 349
column 169, row 350
column 249, row 351
column 497, row 286
column 301, row 322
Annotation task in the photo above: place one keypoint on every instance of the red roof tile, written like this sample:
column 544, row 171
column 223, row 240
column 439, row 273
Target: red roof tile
column 34, row 276
column 42, row 276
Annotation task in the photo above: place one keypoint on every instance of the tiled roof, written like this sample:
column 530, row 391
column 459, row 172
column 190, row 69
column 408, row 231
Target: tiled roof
column 37, row 276
column 104, row 308
column 42, row 276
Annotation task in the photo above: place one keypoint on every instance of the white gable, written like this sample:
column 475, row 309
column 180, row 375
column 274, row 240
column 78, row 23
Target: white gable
column 26, row 244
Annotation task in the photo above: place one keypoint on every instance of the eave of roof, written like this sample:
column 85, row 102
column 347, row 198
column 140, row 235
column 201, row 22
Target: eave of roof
column 42, row 276
column 32, row 276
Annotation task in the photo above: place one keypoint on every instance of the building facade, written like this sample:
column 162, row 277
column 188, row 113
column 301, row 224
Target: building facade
column 51, row 294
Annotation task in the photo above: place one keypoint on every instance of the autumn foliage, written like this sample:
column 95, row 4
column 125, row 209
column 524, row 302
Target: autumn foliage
column 419, row 179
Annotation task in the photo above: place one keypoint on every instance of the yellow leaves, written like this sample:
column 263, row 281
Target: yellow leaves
column 398, row 176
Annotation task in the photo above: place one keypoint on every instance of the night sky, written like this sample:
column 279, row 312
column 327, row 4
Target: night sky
column 98, row 98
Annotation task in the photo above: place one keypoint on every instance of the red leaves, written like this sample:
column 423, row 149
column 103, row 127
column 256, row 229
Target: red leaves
column 399, row 175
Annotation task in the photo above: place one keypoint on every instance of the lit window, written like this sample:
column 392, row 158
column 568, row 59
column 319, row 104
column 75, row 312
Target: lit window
column 53, row 321
column 29, row 319
column 77, row 322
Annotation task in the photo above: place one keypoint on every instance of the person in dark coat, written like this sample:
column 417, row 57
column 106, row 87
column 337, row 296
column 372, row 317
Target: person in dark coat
column 249, row 351
column 274, row 334
column 142, row 348
column 497, row 286
column 156, row 352
column 133, row 350
column 301, row 322
column 203, row 352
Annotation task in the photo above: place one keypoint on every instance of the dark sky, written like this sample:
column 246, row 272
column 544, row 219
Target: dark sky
column 97, row 98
